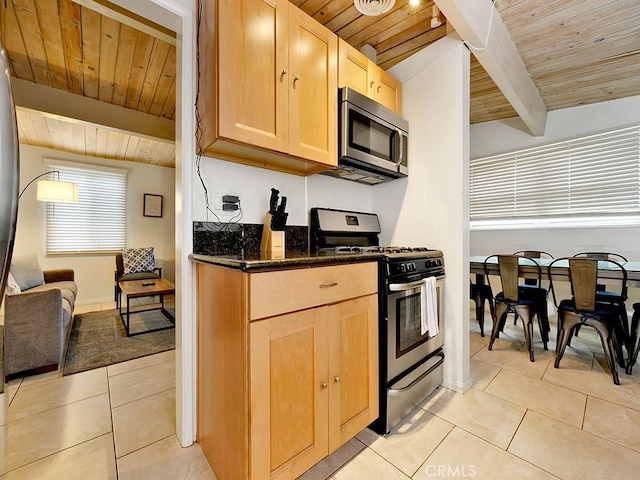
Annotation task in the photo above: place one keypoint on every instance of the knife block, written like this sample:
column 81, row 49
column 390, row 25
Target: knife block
column 272, row 241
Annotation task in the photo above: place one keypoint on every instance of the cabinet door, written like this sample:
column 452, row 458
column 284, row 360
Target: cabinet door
column 388, row 91
column 355, row 70
column 313, row 81
column 289, row 394
column 353, row 368
column 252, row 88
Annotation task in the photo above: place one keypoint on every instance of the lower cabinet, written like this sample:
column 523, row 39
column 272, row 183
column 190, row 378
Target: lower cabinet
column 313, row 375
column 309, row 379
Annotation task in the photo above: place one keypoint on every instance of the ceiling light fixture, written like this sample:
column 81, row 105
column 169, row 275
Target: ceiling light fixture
column 373, row 8
column 414, row 3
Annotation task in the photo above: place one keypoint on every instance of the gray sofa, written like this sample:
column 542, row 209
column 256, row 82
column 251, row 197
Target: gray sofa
column 37, row 324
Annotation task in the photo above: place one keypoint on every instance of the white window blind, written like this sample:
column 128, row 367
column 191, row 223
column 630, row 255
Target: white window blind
column 593, row 176
column 98, row 221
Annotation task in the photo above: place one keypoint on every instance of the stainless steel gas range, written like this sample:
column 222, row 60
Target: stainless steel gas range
column 411, row 308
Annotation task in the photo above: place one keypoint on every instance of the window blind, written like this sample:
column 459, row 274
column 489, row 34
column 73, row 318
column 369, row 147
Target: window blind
column 592, row 176
column 98, row 221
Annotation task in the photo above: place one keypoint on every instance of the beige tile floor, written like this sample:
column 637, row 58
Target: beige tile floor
column 519, row 420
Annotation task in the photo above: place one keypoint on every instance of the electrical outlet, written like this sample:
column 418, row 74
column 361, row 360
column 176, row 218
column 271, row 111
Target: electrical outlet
column 224, row 203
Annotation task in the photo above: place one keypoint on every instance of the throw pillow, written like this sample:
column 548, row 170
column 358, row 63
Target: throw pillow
column 135, row 260
column 12, row 287
column 26, row 271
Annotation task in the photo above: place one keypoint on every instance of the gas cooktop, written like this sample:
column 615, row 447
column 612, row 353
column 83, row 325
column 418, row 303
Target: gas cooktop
column 377, row 249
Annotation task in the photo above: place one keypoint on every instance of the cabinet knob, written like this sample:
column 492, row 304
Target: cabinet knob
column 336, row 379
column 295, row 79
column 283, row 73
column 328, row 285
column 371, row 85
column 324, row 385
column 378, row 88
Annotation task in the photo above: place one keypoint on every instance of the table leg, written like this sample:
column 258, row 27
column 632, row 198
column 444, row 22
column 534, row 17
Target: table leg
column 128, row 314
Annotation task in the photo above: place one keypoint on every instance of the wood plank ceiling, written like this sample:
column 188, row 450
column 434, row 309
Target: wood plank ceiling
column 576, row 51
column 64, row 45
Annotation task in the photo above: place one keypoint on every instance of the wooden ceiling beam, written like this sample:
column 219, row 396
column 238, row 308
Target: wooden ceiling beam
column 115, row 12
column 499, row 57
column 61, row 104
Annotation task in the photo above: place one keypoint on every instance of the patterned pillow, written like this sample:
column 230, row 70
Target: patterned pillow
column 12, row 287
column 26, row 271
column 137, row 260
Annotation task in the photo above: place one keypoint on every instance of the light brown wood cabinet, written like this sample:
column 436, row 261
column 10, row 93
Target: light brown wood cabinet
column 267, row 86
column 355, row 70
column 276, row 394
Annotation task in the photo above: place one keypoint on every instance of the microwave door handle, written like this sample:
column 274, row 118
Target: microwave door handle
column 401, row 156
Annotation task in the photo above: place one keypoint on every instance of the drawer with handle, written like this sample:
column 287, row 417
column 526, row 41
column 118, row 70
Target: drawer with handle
column 283, row 291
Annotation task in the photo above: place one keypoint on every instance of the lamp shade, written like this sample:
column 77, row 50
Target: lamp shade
column 56, row 191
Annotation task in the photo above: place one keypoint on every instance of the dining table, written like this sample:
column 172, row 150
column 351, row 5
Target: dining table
column 559, row 271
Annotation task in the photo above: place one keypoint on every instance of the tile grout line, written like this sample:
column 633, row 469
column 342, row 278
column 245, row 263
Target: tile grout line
column 142, row 398
column 113, row 430
column 145, row 446
column 524, row 459
column 53, row 454
column 453, row 427
column 141, row 368
column 384, row 459
column 55, row 408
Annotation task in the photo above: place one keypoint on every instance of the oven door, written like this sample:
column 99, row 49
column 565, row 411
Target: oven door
column 406, row 346
column 368, row 140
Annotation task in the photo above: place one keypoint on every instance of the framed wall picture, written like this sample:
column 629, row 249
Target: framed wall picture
column 152, row 205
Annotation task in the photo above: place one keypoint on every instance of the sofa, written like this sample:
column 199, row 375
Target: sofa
column 37, row 323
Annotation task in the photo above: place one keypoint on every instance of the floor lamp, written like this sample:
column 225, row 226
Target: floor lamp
column 53, row 190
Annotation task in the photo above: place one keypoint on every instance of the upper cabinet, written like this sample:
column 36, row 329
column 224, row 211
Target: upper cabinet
column 267, row 86
column 355, row 70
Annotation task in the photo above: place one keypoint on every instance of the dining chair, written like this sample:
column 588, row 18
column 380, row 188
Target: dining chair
column 533, row 282
column 534, row 254
column 634, row 338
column 512, row 300
column 481, row 293
column 607, row 296
column 617, row 257
column 584, row 308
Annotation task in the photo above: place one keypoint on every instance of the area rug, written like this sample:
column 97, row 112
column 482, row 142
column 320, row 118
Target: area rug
column 99, row 339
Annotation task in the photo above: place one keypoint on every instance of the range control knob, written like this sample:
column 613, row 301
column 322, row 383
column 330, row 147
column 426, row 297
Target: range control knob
column 403, row 268
column 412, row 267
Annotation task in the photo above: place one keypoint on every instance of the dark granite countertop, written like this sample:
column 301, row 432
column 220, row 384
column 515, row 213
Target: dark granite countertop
column 260, row 261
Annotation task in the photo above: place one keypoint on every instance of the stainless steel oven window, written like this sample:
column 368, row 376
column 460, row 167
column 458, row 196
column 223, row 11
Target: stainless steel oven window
column 399, row 362
column 408, row 324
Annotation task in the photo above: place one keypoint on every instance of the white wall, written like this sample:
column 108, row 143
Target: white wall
column 430, row 207
column 506, row 135
column 94, row 273
column 254, row 184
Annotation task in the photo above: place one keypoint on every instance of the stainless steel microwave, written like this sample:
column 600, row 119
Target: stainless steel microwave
column 373, row 140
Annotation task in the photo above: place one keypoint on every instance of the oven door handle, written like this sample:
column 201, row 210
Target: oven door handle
column 401, row 287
